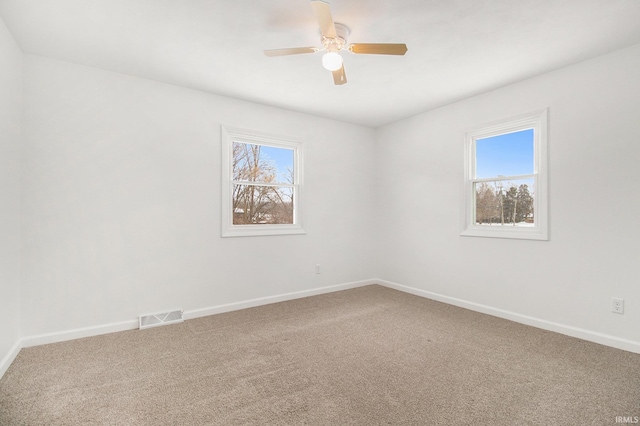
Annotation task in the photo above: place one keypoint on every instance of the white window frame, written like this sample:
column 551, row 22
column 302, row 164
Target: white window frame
column 540, row 231
column 229, row 135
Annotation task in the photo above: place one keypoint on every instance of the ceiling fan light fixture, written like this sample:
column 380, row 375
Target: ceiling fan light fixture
column 332, row 61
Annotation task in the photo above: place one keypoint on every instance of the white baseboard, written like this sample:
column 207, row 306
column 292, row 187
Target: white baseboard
column 196, row 313
column 78, row 333
column 580, row 333
column 8, row 359
column 61, row 336
column 592, row 336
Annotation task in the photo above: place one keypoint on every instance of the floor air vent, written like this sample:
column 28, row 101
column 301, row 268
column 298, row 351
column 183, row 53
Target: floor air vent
column 154, row 320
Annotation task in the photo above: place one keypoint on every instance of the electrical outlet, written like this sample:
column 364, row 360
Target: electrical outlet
column 317, row 268
column 617, row 305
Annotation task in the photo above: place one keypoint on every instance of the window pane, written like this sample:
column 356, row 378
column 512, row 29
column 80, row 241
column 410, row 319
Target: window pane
column 253, row 204
column 504, row 203
column 260, row 163
column 505, row 155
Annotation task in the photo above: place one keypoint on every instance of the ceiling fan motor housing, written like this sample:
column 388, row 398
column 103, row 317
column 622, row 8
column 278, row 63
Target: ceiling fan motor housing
column 334, row 44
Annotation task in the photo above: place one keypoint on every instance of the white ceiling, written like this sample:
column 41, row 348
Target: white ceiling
column 457, row 48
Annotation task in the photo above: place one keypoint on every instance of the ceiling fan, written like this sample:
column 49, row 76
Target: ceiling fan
column 334, row 39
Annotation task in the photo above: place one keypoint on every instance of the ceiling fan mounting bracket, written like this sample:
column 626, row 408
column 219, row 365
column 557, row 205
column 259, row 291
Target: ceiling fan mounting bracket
column 342, row 30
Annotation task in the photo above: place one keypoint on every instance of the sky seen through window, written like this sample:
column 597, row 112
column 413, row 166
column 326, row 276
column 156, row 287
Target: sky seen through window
column 510, row 154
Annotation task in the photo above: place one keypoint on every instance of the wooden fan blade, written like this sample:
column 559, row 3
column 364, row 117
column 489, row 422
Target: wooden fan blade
column 339, row 77
column 325, row 20
column 290, row 51
column 378, row 48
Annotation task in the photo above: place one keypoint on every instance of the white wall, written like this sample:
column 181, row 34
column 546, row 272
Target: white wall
column 121, row 208
column 10, row 92
column 122, row 201
column 594, row 247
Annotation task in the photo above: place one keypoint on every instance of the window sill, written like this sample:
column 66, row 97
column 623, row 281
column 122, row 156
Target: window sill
column 262, row 230
column 500, row 231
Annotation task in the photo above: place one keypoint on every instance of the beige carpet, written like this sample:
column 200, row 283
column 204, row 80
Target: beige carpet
column 368, row 356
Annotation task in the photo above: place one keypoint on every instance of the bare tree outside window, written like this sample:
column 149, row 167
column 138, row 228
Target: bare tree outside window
column 263, row 184
column 262, row 190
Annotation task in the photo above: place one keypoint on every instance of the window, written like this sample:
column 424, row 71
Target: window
column 261, row 184
column 506, row 179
